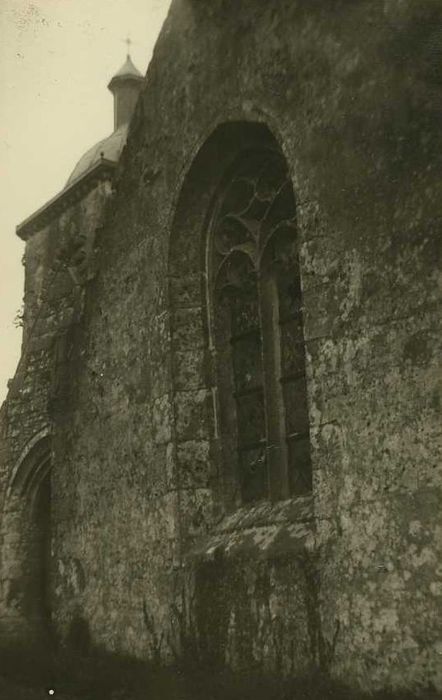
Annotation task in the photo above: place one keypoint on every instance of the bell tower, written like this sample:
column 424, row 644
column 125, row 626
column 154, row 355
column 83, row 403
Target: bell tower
column 125, row 86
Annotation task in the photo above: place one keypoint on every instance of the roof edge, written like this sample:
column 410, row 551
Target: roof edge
column 128, row 77
column 102, row 170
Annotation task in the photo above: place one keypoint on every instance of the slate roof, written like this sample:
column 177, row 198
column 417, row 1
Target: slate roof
column 109, row 148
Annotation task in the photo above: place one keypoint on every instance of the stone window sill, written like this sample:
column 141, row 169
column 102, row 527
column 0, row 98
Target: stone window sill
column 264, row 530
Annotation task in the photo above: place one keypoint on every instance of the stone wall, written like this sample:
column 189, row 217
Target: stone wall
column 149, row 559
column 58, row 260
column 352, row 96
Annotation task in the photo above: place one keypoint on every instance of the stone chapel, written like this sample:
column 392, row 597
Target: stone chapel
column 224, row 434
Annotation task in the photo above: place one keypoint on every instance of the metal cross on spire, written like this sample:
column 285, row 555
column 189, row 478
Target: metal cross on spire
column 128, row 41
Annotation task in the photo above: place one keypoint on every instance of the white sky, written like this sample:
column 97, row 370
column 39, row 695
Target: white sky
column 56, row 58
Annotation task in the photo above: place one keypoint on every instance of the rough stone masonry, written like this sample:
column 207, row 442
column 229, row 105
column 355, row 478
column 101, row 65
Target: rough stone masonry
column 223, row 438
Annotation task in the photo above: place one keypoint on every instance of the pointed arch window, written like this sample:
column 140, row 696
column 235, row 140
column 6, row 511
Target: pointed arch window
column 257, row 329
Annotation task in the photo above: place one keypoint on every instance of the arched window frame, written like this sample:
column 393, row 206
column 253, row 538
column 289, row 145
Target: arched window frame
column 286, row 418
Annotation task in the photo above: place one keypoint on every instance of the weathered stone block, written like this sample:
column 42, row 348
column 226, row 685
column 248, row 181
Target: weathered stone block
column 187, row 328
column 189, row 369
column 162, row 419
column 185, row 291
column 194, row 414
column 195, row 463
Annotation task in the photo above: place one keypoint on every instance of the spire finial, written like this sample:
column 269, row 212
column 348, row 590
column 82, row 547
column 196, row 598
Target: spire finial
column 128, row 41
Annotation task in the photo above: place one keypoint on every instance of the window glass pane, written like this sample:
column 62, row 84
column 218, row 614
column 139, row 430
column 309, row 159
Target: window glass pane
column 300, row 470
column 255, row 211
column 238, row 196
column 250, row 412
column 281, row 209
column 273, row 173
column 295, row 403
column 290, row 302
column 230, row 232
column 292, row 348
column 247, row 361
column 253, row 474
column 241, row 300
column 244, row 313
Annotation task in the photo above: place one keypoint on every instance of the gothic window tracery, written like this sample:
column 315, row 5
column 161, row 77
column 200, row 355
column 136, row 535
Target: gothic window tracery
column 256, row 308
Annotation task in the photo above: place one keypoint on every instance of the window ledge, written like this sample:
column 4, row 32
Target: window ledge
column 265, row 530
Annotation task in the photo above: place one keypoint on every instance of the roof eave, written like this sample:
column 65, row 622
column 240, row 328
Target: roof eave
column 124, row 79
column 102, row 170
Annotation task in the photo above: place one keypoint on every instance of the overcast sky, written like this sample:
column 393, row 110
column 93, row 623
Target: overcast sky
column 56, row 58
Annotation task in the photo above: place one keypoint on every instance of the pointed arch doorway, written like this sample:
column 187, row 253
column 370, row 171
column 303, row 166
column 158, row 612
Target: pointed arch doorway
column 27, row 541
